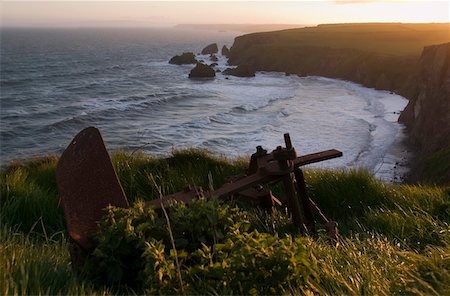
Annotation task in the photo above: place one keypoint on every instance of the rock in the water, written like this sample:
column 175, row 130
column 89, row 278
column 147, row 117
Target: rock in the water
column 244, row 70
column 213, row 57
column 213, row 64
column 202, row 71
column 185, row 58
column 225, row 51
column 210, row 49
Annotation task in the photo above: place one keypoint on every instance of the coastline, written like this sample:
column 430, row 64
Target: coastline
column 395, row 166
column 415, row 68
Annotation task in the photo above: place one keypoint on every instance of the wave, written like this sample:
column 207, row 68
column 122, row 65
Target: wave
column 152, row 102
column 97, row 110
column 14, row 81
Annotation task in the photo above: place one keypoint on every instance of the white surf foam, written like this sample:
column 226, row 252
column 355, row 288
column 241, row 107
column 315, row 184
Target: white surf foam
column 319, row 113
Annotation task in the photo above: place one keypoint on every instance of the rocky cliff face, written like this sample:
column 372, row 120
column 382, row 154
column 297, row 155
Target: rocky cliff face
column 385, row 72
column 425, row 81
column 427, row 114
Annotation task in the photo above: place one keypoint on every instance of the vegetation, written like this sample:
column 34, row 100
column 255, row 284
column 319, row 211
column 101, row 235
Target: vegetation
column 397, row 39
column 437, row 167
column 395, row 239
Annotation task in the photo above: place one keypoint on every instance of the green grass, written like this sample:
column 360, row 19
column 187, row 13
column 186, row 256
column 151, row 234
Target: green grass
column 437, row 167
column 382, row 38
column 395, row 238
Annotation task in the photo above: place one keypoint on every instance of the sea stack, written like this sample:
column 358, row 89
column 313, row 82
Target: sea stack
column 213, row 57
column 244, row 70
column 210, row 49
column 184, row 59
column 225, row 51
column 202, row 71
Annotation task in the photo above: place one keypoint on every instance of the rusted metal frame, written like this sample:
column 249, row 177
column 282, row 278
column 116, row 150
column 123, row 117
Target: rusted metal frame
column 258, row 159
column 310, row 208
column 267, row 169
column 285, row 157
column 263, row 197
column 222, row 193
column 293, row 202
column 316, row 157
column 304, row 201
column 271, row 172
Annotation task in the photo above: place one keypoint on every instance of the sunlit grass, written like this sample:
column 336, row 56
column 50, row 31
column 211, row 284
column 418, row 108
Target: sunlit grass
column 395, row 238
column 30, row 266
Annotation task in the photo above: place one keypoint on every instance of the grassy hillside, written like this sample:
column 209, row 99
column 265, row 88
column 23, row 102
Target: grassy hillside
column 396, row 39
column 395, row 239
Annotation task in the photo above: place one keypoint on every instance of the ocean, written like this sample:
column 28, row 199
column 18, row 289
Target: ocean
column 55, row 82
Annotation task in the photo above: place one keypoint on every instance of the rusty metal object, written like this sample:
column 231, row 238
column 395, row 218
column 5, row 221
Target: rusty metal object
column 87, row 184
column 283, row 165
column 304, row 201
column 271, row 172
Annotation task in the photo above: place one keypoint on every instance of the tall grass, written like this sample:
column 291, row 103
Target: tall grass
column 395, row 238
column 412, row 215
column 376, row 266
column 38, row 267
column 29, row 199
column 171, row 174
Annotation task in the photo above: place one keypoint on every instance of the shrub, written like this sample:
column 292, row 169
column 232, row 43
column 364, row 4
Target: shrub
column 251, row 263
column 213, row 251
column 125, row 234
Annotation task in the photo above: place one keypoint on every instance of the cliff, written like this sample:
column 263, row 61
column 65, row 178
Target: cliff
column 427, row 114
column 369, row 69
column 382, row 56
column 402, row 58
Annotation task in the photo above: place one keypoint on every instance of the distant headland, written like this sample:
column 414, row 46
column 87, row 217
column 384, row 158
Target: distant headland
column 244, row 28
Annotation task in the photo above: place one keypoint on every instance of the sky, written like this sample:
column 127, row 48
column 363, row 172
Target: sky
column 38, row 13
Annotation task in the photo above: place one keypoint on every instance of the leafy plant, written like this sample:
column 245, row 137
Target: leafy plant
column 252, row 263
column 213, row 251
column 125, row 234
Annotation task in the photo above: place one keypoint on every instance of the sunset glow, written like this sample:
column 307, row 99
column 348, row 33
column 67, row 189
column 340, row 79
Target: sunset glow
column 163, row 13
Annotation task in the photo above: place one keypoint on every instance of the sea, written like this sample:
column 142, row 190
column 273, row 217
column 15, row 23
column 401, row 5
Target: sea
column 55, row 82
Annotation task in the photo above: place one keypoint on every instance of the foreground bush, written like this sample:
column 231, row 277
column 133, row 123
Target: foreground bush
column 203, row 246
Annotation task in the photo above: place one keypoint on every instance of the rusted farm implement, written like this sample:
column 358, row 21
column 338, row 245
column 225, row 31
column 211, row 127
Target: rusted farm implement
column 87, row 184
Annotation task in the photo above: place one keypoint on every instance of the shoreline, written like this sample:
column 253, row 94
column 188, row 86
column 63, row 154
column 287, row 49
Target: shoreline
column 395, row 167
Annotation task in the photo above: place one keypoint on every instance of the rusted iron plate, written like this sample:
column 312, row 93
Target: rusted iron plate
column 87, row 184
